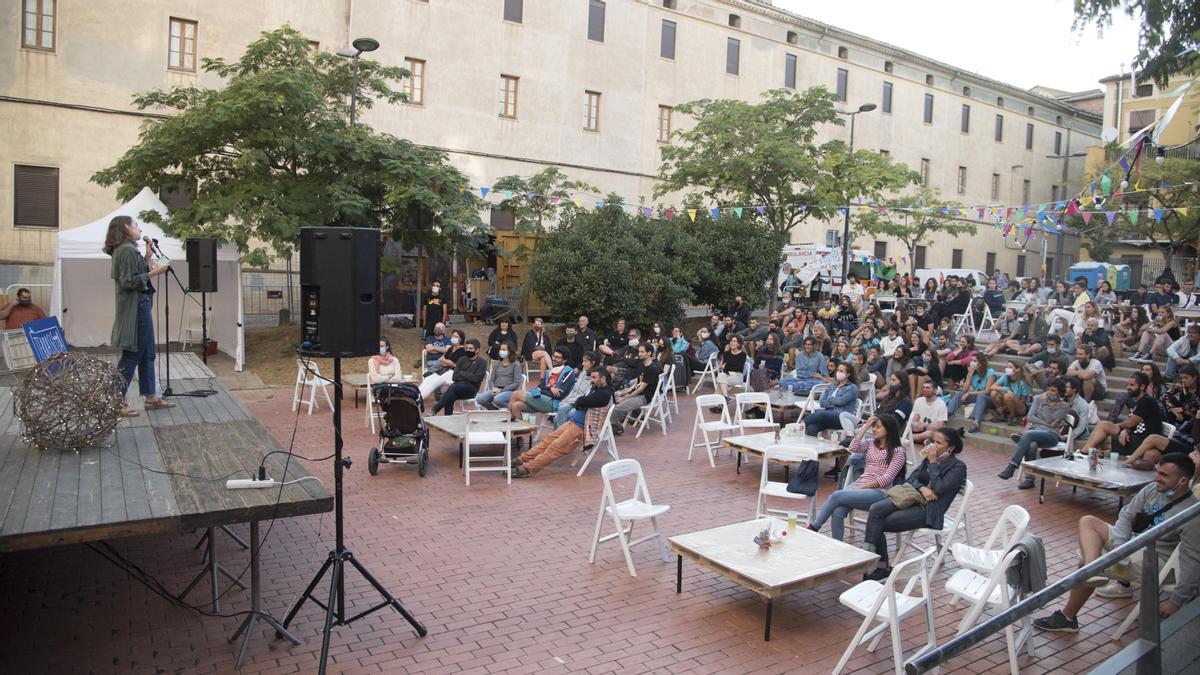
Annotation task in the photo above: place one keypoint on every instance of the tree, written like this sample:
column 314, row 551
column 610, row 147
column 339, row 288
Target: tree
column 609, row 265
column 273, row 150
column 731, row 247
column 911, row 221
column 1167, row 39
column 536, row 203
column 1179, row 186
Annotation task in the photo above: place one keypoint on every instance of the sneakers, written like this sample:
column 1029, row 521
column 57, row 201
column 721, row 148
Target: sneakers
column 1007, row 472
column 1057, row 622
column 974, row 428
column 878, row 574
column 832, row 472
column 1142, row 357
column 520, row 471
column 1015, row 438
column 1115, row 589
column 1027, row 483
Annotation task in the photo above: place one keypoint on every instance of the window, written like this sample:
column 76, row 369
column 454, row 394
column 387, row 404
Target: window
column 789, row 71
column 181, row 47
column 414, row 84
column 929, row 80
column 793, row 38
column 1138, row 120
column 669, row 4
column 1058, row 142
column 1058, row 120
column 733, row 53
column 956, row 258
column 514, row 10
column 1020, row 265
column 991, row 263
column 38, row 24
column 1143, row 90
column 35, row 196
column 887, row 97
column 1028, row 136
column 1025, row 186
column 843, row 77
column 962, row 180
column 502, row 220
column 664, row 124
column 591, row 110
column 888, row 66
column 1029, row 111
column 965, row 127
column 666, row 47
column 967, row 91
column 928, row 108
column 881, row 250
column 596, row 20
column 885, row 153
column 919, row 257
column 925, row 171
column 833, row 238
column 1000, row 101
column 313, row 47
column 735, row 21
column 508, row 96
column 999, row 128
column 995, row 187
column 843, row 53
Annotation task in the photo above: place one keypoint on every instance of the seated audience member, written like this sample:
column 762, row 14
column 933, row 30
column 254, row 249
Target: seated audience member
column 1035, row 331
column 840, row 397
column 679, row 343
column 586, row 336
column 730, row 329
column 876, row 365
column 557, row 382
column 1032, row 293
column 1145, row 419
column 899, row 363
column 841, row 354
column 846, row 318
column 384, row 366
column 640, row 393
column 1090, row 371
column 1157, row 335
column 613, row 345
column 878, row 442
column 1048, row 415
column 821, row 335
column 1104, row 294
column 975, row 389
column 583, row 427
column 957, row 301
column 1128, row 330
column 1167, row 496
column 959, row 359
column 769, row 357
column 469, row 372
column 929, row 413
column 1182, row 399
column 21, row 311
column 535, row 348
column 731, row 366
column 1184, row 352
column 658, row 337
column 1156, row 390
column 505, row 379
column 708, row 350
column 930, row 291
column 811, row 369
column 754, row 332
column 937, row 479
column 583, row 385
column 570, row 342
column 437, row 344
column 500, row 335
column 893, row 339
column 1186, row 295
column 993, row 298
column 442, row 373
column 740, row 310
column 1073, row 395
column 1008, row 328
column 628, row 361
column 1098, row 339
column 1011, row 393
column 1162, row 296
column 1065, row 314
column 897, row 401
column 1038, row 365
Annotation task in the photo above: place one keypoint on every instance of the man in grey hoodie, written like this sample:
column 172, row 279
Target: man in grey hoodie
column 1046, row 416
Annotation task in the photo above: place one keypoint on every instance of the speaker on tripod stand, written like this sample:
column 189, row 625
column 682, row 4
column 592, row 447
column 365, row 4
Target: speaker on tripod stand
column 339, row 292
column 202, row 278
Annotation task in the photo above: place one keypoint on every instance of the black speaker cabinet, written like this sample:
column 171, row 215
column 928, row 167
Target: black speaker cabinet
column 202, row 265
column 339, row 291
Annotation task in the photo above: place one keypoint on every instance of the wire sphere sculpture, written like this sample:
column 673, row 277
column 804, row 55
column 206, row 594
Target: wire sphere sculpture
column 70, row 401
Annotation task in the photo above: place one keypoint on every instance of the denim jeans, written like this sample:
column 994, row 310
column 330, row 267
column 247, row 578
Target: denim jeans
column 143, row 358
column 1030, row 441
column 820, row 420
column 982, row 402
column 799, row 386
column 563, row 414
column 499, row 400
column 840, row 503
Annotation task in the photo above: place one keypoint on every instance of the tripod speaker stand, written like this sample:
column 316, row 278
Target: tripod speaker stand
column 335, row 564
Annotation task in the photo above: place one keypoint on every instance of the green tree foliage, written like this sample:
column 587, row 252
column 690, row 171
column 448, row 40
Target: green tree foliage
column 273, row 151
column 1180, row 180
column 609, row 265
column 766, row 153
column 731, row 259
column 912, row 221
column 1167, row 39
column 536, row 203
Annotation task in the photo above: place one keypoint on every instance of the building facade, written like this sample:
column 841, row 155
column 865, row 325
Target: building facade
column 513, row 86
column 1130, row 106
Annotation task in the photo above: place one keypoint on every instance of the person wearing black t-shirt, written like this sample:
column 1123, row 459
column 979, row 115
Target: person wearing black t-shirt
column 501, row 334
column 732, row 367
column 1145, row 419
column 614, row 344
column 433, row 307
column 586, row 336
column 642, row 390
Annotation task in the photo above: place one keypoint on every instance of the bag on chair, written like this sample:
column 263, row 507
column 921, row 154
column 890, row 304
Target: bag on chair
column 804, row 480
column 904, row 496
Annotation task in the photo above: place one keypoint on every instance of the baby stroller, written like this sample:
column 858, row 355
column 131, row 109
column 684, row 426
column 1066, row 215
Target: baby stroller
column 403, row 437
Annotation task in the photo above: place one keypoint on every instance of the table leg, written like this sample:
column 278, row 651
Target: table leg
column 739, row 463
column 767, row 630
column 679, row 574
column 1042, row 492
column 246, row 629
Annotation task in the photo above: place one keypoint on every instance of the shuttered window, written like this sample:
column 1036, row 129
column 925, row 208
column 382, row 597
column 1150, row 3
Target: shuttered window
column 35, row 196
column 37, row 24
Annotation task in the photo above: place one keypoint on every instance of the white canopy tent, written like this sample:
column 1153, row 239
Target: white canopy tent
column 83, row 297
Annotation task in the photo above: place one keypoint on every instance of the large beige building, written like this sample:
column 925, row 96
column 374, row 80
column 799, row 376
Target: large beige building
column 514, row 86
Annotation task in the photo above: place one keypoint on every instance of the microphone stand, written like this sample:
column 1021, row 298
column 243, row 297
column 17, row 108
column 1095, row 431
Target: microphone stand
column 166, row 392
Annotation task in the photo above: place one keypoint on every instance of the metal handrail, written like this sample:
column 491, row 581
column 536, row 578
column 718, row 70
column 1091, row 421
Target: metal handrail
column 1147, row 618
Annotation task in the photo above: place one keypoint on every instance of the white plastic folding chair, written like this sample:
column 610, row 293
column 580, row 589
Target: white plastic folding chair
column 992, row 590
column 743, row 403
column 637, row 507
column 866, row 394
column 883, row 605
column 710, row 372
column 671, row 399
column 1005, row 534
column 769, row 489
column 987, row 323
column 951, row 526
column 964, row 324
column 606, row 440
column 705, row 426
column 489, row 428
column 654, row 411
column 308, row 376
column 1169, row 570
column 813, row 402
column 906, row 440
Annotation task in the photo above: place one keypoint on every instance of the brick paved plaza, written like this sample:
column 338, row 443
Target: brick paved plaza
column 500, row 577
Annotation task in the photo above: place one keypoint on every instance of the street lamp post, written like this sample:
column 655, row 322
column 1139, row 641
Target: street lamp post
column 360, row 45
column 866, row 107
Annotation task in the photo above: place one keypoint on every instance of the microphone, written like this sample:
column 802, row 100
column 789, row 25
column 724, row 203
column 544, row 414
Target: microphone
column 153, row 243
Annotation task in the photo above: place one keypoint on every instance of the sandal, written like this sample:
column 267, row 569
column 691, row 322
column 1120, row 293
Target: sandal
column 158, row 404
column 129, row 412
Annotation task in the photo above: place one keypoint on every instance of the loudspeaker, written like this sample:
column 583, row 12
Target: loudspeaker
column 339, row 291
column 202, row 265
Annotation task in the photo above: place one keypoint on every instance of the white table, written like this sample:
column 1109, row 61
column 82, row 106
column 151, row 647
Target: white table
column 1111, row 477
column 756, row 444
column 804, row 560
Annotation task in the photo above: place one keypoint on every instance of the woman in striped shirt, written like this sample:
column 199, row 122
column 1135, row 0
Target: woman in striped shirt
column 884, row 459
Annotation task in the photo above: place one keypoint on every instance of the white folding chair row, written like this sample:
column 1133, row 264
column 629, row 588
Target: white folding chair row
column 1169, row 570
column 637, row 507
column 951, row 526
column 704, row 426
column 308, row 376
column 656, row 410
column 769, row 489
column 1004, row 536
column 489, row 428
column 964, row 324
column 710, row 372
column 606, row 440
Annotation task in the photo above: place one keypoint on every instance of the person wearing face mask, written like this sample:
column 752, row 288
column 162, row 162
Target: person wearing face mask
column 504, row 380
column 570, row 342
column 974, row 389
column 583, row 386
column 437, row 344
column 442, row 372
column 21, row 311
column 502, row 334
column 1167, row 496
column 1047, row 416
column 840, row 397
column 384, row 366
column 469, row 372
column 627, row 362
column 433, row 307
column 1039, row 363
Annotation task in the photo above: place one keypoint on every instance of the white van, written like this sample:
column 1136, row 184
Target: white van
column 938, row 274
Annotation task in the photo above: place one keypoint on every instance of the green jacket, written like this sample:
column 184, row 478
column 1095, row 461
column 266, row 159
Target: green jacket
column 131, row 278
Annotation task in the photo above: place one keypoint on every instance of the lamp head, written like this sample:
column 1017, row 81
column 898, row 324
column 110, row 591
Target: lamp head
column 866, row 107
column 366, row 44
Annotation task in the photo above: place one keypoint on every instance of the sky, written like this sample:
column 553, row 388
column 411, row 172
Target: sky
column 1019, row 42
